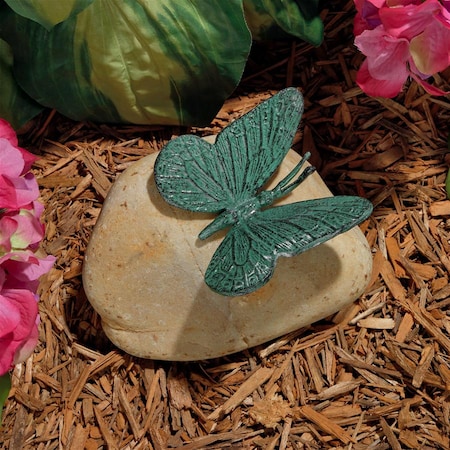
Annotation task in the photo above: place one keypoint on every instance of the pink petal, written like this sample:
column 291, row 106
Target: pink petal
column 24, row 269
column 38, row 209
column 18, row 193
column 29, row 230
column 27, row 346
column 16, row 190
column 27, row 189
column 376, row 3
column 22, row 333
column 394, row 3
column 433, row 90
column 9, row 316
column 11, row 159
column 386, row 56
column 388, row 88
column 444, row 16
column 28, row 159
column 7, row 132
column 8, row 349
column 8, row 227
column 431, row 49
column 367, row 17
column 410, row 20
column 8, row 197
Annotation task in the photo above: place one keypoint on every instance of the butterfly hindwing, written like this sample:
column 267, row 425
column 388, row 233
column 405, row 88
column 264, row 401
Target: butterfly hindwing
column 279, row 231
column 297, row 227
column 195, row 175
column 239, row 264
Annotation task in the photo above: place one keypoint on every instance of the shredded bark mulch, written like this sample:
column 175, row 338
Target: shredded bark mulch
column 374, row 376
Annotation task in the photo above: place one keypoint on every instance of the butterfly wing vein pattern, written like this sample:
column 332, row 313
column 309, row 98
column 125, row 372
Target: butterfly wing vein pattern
column 246, row 259
column 240, row 264
column 189, row 176
column 225, row 178
column 192, row 174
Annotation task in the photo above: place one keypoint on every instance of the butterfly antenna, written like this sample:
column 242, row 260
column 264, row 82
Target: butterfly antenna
column 284, row 188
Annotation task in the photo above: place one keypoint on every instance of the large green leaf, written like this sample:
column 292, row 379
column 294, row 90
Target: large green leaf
column 138, row 61
column 15, row 105
column 271, row 19
column 5, row 386
column 48, row 12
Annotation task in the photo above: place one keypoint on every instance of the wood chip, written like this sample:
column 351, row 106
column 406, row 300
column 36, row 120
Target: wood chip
column 377, row 323
column 424, row 364
column 440, row 208
column 256, row 380
column 404, row 328
column 325, row 424
column 383, row 159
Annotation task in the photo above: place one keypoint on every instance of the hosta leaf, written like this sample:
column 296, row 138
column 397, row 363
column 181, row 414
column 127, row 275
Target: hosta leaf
column 271, row 19
column 138, row 61
column 15, row 105
column 48, row 12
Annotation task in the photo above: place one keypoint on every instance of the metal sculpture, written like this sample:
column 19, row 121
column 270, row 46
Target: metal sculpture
column 226, row 178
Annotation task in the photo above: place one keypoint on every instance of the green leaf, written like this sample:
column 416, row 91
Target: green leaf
column 15, row 105
column 48, row 13
column 5, row 386
column 272, row 19
column 137, row 61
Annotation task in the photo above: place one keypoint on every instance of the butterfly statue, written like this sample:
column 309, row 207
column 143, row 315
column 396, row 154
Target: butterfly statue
column 226, row 178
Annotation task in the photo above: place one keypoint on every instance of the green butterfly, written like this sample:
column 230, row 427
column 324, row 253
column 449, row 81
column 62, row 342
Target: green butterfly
column 227, row 177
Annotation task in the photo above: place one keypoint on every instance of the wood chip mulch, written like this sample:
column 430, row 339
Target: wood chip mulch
column 373, row 376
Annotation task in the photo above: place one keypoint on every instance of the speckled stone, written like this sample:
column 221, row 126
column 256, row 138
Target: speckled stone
column 144, row 266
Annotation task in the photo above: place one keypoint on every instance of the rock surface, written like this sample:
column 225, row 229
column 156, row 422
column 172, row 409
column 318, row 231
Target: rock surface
column 144, row 266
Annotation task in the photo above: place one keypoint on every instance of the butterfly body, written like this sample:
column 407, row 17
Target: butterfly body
column 227, row 178
column 240, row 212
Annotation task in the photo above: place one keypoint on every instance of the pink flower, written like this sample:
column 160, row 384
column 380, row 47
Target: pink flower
column 20, row 235
column 17, row 189
column 23, row 269
column 401, row 39
column 18, row 327
column 19, row 275
column 20, row 230
column 367, row 17
column 7, row 132
column 384, row 71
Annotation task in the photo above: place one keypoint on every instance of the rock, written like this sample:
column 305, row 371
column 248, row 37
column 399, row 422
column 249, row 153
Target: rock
column 144, row 266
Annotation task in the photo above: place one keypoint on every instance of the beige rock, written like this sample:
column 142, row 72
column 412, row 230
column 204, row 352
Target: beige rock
column 144, row 266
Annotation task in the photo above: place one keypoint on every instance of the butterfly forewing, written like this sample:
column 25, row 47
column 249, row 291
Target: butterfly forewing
column 253, row 146
column 280, row 231
column 188, row 175
column 195, row 175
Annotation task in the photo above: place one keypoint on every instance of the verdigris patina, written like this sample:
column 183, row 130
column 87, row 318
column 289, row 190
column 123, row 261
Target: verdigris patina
column 226, row 178
column 144, row 270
